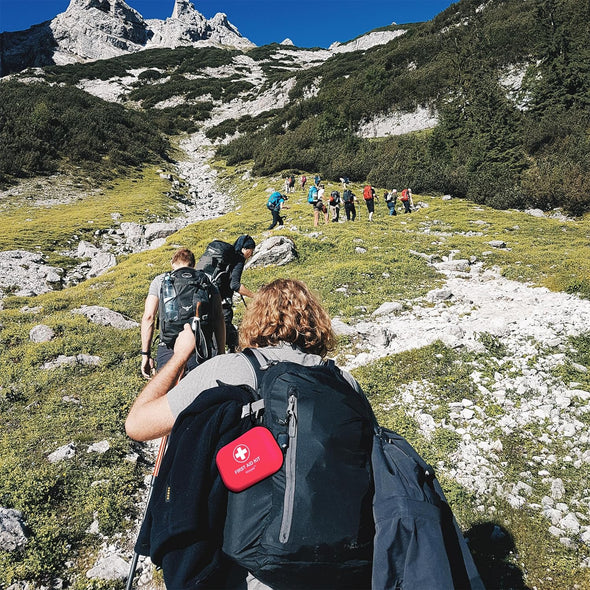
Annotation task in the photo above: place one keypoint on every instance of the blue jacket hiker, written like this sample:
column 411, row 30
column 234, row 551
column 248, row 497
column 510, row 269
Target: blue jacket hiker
column 274, row 204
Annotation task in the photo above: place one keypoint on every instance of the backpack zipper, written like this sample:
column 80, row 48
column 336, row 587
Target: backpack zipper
column 290, row 458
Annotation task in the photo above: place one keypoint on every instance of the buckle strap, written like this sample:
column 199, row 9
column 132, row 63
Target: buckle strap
column 253, row 408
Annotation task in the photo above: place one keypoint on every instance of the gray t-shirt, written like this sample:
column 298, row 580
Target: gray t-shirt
column 235, row 369
column 155, row 285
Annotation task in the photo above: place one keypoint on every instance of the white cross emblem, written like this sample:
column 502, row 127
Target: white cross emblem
column 241, row 453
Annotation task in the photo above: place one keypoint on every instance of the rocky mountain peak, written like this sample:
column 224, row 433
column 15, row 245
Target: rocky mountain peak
column 101, row 29
column 183, row 9
column 116, row 9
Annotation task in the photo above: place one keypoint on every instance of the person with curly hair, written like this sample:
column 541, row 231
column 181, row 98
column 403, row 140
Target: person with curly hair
column 285, row 321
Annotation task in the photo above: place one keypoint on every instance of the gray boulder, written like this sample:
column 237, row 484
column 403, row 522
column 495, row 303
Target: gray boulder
column 99, row 447
column 134, row 236
column 100, row 264
column 155, row 231
column 13, row 535
column 439, row 295
column 274, row 251
column 113, row 567
column 388, row 307
column 497, row 244
column 68, row 361
column 106, row 317
column 342, row 329
column 63, row 453
column 26, row 274
column 41, row 333
column 86, row 250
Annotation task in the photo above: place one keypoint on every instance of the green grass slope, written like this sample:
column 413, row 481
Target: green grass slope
column 44, row 409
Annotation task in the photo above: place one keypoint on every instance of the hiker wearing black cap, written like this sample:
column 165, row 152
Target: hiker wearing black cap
column 224, row 264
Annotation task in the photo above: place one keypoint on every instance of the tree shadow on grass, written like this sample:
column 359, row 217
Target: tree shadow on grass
column 491, row 546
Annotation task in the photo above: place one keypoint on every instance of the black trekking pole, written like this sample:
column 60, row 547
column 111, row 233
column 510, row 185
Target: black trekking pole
column 159, row 457
column 243, row 301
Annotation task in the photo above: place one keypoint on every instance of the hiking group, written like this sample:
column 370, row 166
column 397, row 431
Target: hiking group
column 276, row 474
column 329, row 209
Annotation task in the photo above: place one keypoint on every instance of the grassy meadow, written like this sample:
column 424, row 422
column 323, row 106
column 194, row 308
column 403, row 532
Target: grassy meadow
column 43, row 410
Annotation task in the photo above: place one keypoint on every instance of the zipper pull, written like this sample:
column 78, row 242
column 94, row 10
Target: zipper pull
column 292, row 415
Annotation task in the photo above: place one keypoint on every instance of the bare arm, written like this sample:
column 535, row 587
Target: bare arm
column 243, row 290
column 150, row 416
column 148, row 321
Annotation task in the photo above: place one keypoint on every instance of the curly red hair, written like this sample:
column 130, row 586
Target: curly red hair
column 287, row 311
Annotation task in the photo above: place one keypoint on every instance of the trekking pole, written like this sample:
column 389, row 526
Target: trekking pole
column 159, row 457
column 243, row 301
column 161, row 451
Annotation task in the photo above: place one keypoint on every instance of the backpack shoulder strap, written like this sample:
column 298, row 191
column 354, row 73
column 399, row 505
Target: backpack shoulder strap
column 258, row 362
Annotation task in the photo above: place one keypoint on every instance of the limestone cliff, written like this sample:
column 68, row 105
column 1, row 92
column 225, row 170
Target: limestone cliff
column 100, row 29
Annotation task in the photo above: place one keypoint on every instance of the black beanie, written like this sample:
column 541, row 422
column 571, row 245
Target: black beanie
column 244, row 241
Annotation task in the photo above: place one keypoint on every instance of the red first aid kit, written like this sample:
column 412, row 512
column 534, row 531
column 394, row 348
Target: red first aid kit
column 249, row 459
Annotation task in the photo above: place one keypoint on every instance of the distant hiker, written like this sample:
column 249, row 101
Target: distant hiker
column 334, row 204
column 321, row 192
column 314, row 197
column 292, row 183
column 275, row 203
column 391, row 201
column 406, row 199
column 345, row 182
column 317, row 179
column 369, row 196
column 190, row 289
column 349, row 208
column 303, row 181
column 284, row 322
column 224, row 264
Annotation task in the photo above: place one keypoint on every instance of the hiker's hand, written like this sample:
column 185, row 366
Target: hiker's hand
column 185, row 343
column 147, row 366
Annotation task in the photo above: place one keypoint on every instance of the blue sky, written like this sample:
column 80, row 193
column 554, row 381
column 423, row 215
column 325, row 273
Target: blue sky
column 308, row 23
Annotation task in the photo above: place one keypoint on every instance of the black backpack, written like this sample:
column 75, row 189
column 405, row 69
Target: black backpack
column 309, row 525
column 192, row 293
column 216, row 263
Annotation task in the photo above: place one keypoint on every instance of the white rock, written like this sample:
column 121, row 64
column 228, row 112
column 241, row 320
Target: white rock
column 570, row 523
column 388, row 307
column 112, row 567
column 557, row 489
column 439, row 295
column 100, row 447
column 106, row 317
column 41, row 333
column 342, row 329
column 63, row 453
column 13, row 535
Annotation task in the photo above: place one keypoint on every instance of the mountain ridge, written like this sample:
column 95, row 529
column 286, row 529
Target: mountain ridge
column 101, row 29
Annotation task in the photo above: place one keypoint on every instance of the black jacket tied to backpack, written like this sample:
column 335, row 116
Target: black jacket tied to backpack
column 183, row 528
